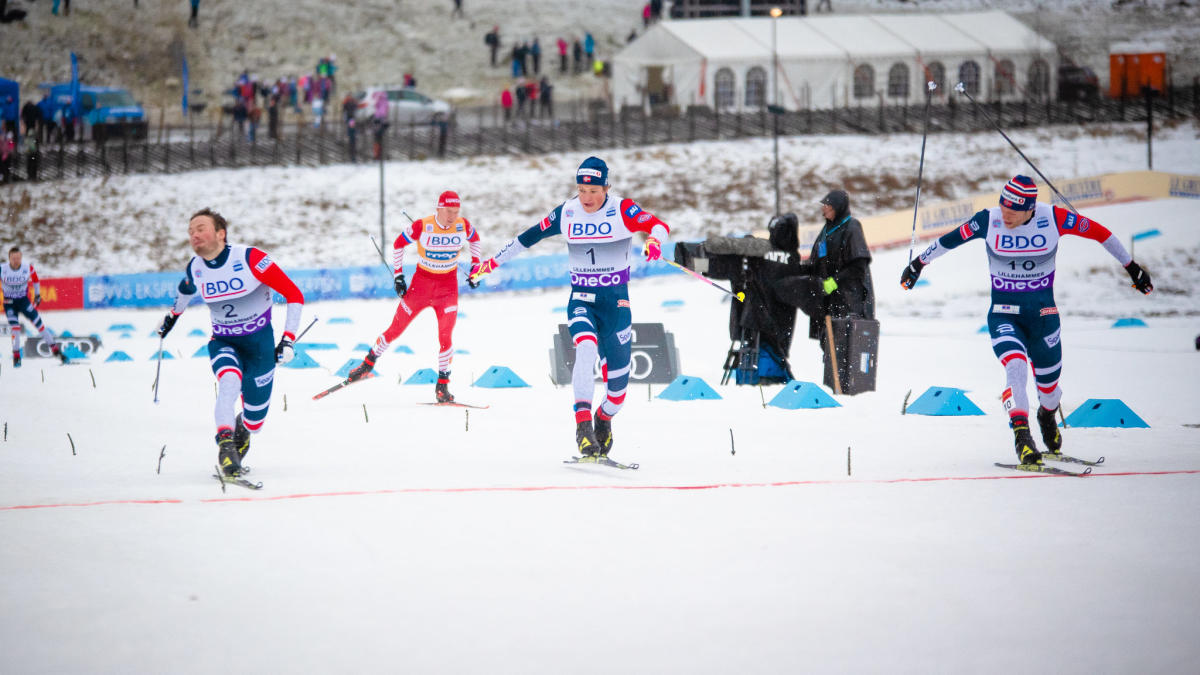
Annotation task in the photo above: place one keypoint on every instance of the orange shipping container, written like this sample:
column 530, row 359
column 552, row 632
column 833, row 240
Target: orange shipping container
column 1133, row 66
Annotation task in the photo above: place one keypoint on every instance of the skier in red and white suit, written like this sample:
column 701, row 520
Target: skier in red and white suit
column 440, row 239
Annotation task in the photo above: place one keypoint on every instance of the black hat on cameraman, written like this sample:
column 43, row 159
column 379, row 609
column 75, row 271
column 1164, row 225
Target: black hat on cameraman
column 840, row 201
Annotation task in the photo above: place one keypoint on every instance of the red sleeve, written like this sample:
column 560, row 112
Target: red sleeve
column 265, row 270
column 408, row 237
column 637, row 220
column 472, row 235
column 32, row 274
column 1080, row 226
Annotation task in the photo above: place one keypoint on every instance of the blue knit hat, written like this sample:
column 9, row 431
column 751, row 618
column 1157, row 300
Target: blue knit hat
column 593, row 171
column 1019, row 194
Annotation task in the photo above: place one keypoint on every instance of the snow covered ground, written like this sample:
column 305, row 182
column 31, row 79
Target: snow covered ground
column 393, row 537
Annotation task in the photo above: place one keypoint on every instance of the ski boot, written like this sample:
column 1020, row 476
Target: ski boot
column 241, row 438
column 603, row 428
column 227, row 454
column 363, row 369
column 585, row 438
column 442, row 390
column 56, row 349
column 1050, row 433
column 16, row 359
column 1027, row 451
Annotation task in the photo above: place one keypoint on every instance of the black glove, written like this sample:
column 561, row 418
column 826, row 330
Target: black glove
column 472, row 283
column 908, row 278
column 37, row 300
column 167, row 324
column 1141, row 280
column 399, row 285
column 284, row 351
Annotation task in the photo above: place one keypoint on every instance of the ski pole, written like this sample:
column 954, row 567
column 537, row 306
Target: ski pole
column 930, row 86
column 962, row 89
column 382, row 259
column 310, row 325
column 740, row 296
column 158, row 368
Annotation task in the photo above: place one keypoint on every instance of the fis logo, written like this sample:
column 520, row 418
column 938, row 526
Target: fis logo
column 238, row 267
column 261, row 265
column 1043, row 223
column 610, row 213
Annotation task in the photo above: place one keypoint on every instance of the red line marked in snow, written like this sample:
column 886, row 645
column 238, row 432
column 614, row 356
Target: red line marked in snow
column 564, row 488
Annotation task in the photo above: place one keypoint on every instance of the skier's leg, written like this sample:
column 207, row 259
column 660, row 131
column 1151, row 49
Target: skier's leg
column 1046, row 356
column 1008, row 343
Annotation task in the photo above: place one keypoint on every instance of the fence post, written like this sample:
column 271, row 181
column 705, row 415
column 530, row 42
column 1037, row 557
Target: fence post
column 167, row 157
column 125, row 145
column 299, row 136
column 59, row 163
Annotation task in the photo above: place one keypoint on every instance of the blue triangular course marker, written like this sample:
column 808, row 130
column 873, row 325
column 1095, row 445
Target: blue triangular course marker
column 118, row 356
column 461, row 315
column 340, row 320
column 74, row 352
column 1145, row 234
column 1105, row 412
column 315, row 345
column 153, row 333
column 66, row 333
column 403, row 349
column 423, row 376
column 982, row 329
column 302, row 360
column 943, row 401
column 121, row 326
column 362, row 347
column 1129, row 322
column 126, row 336
column 498, row 377
column 344, row 371
column 672, row 303
column 165, row 354
column 797, row 394
column 202, row 352
column 462, row 351
column 688, row 388
column 922, row 282
column 196, row 332
column 559, row 309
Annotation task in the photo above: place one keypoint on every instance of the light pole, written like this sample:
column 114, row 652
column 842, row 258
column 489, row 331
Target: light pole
column 775, row 109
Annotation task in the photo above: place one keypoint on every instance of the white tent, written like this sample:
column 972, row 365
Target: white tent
column 832, row 61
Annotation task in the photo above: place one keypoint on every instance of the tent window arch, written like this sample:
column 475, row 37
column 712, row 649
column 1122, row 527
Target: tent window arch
column 723, row 88
column 1039, row 80
column 898, row 81
column 935, row 72
column 756, row 87
column 864, row 81
column 1005, row 77
column 968, row 74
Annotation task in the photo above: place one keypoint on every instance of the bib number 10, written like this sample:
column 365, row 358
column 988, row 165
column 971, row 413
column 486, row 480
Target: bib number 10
column 1026, row 265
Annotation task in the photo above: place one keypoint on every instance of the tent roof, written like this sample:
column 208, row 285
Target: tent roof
column 861, row 36
column 795, row 38
column 931, row 34
column 1000, row 32
column 718, row 39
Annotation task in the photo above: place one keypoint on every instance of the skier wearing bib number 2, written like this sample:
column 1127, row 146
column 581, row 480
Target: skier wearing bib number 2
column 598, row 226
column 236, row 283
column 1022, row 241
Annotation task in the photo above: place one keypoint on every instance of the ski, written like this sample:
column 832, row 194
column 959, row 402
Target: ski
column 339, row 385
column 1041, row 468
column 455, row 404
column 234, row 480
column 604, row 461
column 1059, row 457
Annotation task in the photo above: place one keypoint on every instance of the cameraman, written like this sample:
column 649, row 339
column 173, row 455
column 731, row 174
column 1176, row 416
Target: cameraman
column 835, row 281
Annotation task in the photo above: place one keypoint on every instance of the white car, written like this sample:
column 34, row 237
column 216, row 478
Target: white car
column 405, row 105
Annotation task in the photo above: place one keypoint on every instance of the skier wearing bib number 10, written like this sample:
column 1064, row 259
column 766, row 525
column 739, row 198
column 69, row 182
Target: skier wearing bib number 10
column 1022, row 241
column 598, row 226
column 236, row 283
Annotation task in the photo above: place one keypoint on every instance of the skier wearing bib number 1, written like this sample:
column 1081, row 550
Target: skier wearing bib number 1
column 598, row 226
column 1022, row 241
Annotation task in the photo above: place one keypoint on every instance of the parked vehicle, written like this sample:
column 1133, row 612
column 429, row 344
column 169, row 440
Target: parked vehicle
column 1077, row 83
column 106, row 112
column 405, row 105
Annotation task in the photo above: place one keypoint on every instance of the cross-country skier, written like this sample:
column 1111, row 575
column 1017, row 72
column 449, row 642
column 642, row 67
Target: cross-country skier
column 1022, row 241
column 236, row 283
column 440, row 239
column 16, row 277
column 598, row 226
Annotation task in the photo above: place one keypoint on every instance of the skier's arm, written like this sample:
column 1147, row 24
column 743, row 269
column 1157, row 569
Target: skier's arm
column 183, row 295
column 37, row 286
column 266, row 271
column 975, row 228
column 636, row 219
column 548, row 227
column 1081, row 226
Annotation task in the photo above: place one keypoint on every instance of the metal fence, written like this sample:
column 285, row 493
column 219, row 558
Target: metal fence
column 582, row 125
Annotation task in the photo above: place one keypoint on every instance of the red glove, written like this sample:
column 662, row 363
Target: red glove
column 486, row 267
column 653, row 249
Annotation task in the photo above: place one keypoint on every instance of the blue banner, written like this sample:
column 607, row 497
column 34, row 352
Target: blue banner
column 157, row 289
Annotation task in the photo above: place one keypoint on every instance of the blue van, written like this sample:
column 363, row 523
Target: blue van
column 109, row 112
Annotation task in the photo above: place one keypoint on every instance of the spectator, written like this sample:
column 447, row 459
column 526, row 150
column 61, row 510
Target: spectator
column 655, row 10
column 531, row 91
column 349, row 108
column 332, row 67
column 492, row 40
column 239, row 115
column 522, row 95
column 547, row 104
column 516, row 61
column 31, row 156
column 193, row 20
column 443, row 129
column 525, row 59
column 273, row 113
column 409, row 81
column 535, row 50
column 562, row 56
column 46, row 108
column 254, row 115
column 632, row 35
column 7, row 149
column 31, row 116
column 577, row 52
column 380, row 121
column 458, row 10
column 506, row 102
column 318, row 110
column 646, row 16
column 589, row 47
